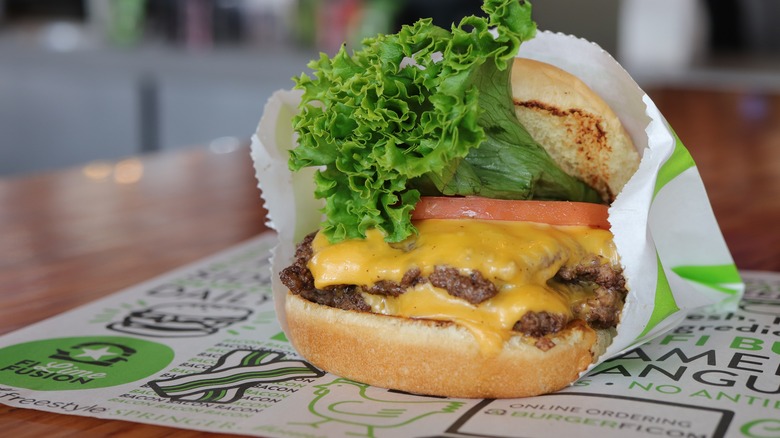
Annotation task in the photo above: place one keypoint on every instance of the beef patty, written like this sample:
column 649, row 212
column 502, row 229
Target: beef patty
column 605, row 284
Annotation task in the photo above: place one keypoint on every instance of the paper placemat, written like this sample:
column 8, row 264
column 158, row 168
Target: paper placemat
column 200, row 348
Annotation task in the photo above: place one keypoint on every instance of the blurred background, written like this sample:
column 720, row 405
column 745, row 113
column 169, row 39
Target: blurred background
column 87, row 81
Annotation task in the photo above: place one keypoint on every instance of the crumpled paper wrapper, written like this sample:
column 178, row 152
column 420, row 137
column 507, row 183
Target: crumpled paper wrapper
column 674, row 256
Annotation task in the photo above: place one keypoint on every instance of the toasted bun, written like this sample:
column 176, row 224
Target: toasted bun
column 576, row 127
column 433, row 358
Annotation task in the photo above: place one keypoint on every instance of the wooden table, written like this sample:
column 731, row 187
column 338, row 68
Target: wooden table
column 734, row 137
column 72, row 236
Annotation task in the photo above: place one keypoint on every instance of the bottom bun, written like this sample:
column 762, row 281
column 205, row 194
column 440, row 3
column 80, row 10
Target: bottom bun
column 435, row 358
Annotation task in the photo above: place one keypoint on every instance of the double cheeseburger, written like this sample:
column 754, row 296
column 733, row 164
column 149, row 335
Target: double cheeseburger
column 478, row 303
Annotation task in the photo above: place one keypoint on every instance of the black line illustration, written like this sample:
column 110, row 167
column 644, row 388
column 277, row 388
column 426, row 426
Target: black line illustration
column 177, row 320
column 234, row 373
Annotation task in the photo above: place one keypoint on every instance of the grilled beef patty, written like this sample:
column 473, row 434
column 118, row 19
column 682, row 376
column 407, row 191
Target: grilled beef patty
column 600, row 311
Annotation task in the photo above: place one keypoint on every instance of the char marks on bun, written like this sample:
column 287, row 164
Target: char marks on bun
column 574, row 125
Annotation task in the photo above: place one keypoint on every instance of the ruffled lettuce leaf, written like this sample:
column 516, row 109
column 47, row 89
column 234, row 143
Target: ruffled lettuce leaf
column 426, row 110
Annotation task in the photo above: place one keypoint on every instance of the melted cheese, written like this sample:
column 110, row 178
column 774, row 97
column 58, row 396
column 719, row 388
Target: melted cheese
column 520, row 258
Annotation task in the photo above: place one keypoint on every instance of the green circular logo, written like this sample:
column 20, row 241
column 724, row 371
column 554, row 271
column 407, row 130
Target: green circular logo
column 83, row 362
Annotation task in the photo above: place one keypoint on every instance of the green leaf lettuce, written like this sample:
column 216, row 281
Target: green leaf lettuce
column 424, row 111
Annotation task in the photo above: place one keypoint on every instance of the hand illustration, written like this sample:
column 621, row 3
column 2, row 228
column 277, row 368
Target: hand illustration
column 345, row 401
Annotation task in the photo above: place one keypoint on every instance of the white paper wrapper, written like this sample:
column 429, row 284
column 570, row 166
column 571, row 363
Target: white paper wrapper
column 674, row 255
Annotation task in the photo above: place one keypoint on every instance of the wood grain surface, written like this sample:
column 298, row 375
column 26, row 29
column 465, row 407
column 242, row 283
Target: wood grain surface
column 72, row 236
column 734, row 138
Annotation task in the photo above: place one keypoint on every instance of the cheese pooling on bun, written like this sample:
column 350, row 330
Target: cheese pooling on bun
column 485, row 270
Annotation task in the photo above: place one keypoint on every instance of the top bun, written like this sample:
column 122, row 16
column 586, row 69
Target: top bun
column 574, row 124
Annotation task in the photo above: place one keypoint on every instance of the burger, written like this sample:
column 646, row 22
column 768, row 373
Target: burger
column 180, row 320
column 465, row 250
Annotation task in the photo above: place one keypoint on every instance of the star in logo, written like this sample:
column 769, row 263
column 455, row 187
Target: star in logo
column 96, row 353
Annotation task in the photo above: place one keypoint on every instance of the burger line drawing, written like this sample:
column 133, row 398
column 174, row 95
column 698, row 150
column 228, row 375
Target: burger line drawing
column 180, row 320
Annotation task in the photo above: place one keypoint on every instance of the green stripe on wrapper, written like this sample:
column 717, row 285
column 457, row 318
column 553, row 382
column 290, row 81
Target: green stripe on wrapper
column 713, row 276
column 679, row 162
column 664, row 304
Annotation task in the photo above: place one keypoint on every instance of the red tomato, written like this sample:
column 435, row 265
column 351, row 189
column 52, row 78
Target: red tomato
column 549, row 212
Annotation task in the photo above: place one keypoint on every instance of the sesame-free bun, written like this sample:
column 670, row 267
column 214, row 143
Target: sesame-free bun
column 575, row 125
column 435, row 358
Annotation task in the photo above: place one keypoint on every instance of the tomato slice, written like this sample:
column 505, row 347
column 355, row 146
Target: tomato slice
column 549, row 212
